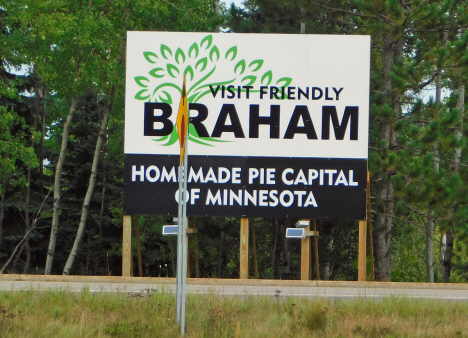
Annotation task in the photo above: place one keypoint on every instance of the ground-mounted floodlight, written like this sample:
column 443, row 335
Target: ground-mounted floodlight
column 170, row 230
column 295, row 233
column 302, row 224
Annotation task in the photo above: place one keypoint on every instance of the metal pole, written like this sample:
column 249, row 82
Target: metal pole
column 179, row 248
column 182, row 128
column 184, row 241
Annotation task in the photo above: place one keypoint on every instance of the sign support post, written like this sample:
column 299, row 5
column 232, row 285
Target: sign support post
column 182, row 128
column 127, row 245
column 362, row 250
column 362, row 254
column 244, row 248
column 305, row 256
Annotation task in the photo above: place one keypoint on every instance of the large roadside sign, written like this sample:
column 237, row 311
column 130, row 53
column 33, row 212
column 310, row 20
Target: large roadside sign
column 278, row 124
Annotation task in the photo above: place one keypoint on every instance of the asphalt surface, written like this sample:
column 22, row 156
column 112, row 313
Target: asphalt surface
column 134, row 286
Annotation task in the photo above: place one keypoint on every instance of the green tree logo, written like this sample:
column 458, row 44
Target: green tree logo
column 198, row 64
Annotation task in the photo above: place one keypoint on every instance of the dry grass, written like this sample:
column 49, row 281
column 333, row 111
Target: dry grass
column 66, row 314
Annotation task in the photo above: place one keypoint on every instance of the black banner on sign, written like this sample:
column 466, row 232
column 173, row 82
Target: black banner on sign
column 247, row 186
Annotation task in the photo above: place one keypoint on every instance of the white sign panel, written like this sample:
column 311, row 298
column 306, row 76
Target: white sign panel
column 256, row 94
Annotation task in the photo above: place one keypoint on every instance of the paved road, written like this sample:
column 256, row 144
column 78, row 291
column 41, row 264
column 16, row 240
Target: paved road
column 235, row 287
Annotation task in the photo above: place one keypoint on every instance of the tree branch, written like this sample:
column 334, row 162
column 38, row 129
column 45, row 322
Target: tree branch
column 331, row 9
column 419, row 212
column 26, row 236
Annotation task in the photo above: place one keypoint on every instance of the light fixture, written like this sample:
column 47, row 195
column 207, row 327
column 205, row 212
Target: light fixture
column 302, row 224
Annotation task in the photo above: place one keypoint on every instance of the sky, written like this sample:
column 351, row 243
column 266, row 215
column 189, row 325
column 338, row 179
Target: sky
column 238, row 3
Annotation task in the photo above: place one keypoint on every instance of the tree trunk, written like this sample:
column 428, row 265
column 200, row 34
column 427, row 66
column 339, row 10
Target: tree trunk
column 327, row 266
column 459, row 129
column 57, row 187
column 87, row 257
column 28, row 195
column 28, row 225
column 254, row 248
column 384, row 216
column 18, row 246
column 446, row 251
column 430, row 210
column 447, row 239
column 28, row 256
column 279, row 248
column 287, row 253
column 216, row 10
column 273, row 249
column 103, row 199
column 40, row 90
column 2, row 207
column 92, row 181
column 41, row 152
column 430, row 243
column 220, row 252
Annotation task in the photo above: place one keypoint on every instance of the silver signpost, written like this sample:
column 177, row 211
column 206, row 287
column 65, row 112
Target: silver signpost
column 182, row 128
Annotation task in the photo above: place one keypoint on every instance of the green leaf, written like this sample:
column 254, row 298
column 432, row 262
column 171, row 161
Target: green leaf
column 161, row 138
column 153, row 72
column 171, row 68
column 165, row 49
column 150, row 57
column 214, row 50
column 241, row 64
column 251, row 78
column 167, row 84
column 203, row 62
column 166, row 98
column 197, row 140
column 193, row 47
column 257, row 64
column 139, row 95
column 266, row 78
column 179, row 53
column 174, row 137
column 208, row 39
column 287, row 81
column 203, row 79
column 192, row 130
column 139, row 79
column 192, row 98
column 233, row 51
column 189, row 70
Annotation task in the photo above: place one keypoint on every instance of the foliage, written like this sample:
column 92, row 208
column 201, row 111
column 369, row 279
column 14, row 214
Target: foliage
column 66, row 314
column 15, row 151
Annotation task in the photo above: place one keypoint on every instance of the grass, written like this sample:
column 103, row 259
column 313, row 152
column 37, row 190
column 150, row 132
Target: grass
column 67, row 314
